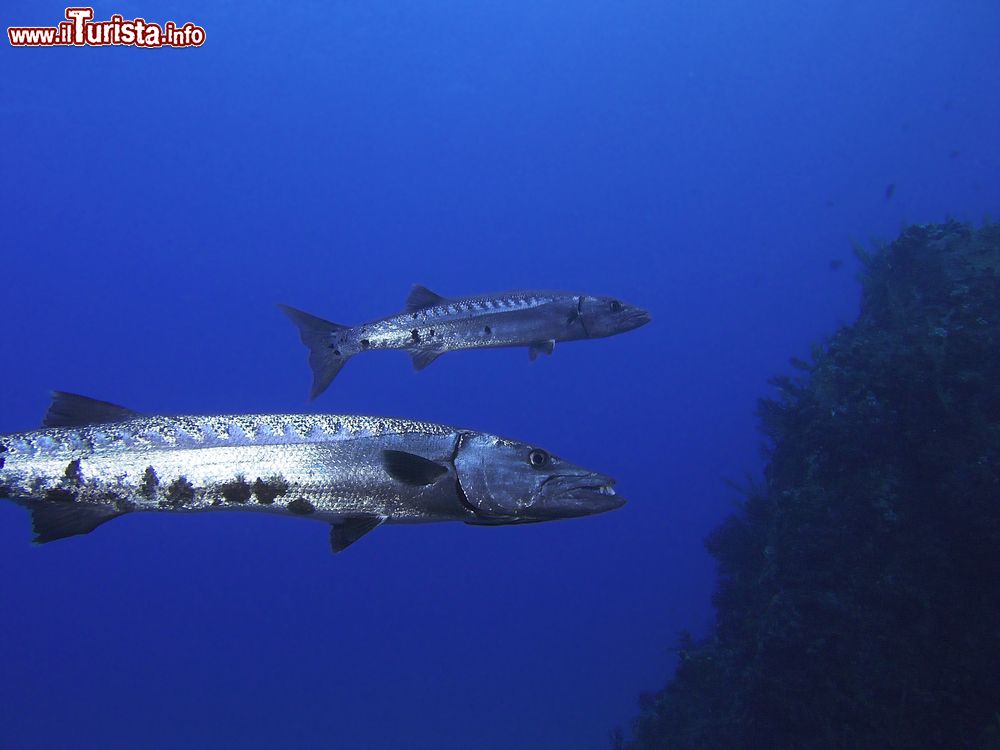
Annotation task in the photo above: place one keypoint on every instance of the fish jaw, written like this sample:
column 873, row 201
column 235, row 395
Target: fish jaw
column 575, row 496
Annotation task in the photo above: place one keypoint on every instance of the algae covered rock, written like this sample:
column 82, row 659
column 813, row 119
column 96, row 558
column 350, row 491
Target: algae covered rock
column 858, row 603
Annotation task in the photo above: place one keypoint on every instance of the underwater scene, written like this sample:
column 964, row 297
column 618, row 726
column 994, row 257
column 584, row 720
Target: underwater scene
column 500, row 375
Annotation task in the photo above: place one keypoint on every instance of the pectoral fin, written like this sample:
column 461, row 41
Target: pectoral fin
column 346, row 532
column 410, row 468
column 541, row 347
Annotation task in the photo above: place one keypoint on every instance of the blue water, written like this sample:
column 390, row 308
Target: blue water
column 706, row 160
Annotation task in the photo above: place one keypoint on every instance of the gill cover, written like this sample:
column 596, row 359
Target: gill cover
column 494, row 478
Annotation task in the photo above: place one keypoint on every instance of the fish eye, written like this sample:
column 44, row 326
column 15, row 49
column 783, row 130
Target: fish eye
column 616, row 306
column 538, row 458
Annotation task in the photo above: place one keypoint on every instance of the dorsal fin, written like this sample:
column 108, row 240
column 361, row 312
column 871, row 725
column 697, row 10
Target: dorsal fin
column 72, row 410
column 421, row 298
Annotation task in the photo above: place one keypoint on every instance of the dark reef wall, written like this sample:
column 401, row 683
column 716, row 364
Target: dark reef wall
column 859, row 596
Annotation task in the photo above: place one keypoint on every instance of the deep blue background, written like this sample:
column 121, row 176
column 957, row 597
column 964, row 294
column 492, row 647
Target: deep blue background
column 706, row 160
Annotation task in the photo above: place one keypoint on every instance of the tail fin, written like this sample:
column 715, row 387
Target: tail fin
column 320, row 336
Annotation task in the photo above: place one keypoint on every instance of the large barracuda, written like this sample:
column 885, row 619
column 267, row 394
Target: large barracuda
column 93, row 461
column 431, row 325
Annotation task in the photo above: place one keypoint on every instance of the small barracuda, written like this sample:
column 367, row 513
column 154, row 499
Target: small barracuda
column 94, row 461
column 431, row 325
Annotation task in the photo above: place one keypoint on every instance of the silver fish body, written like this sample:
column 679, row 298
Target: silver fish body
column 95, row 461
column 431, row 325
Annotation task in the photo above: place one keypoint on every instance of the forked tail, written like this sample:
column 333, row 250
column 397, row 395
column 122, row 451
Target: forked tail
column 322, row 339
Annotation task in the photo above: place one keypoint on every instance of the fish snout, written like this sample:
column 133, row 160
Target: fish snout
column 637, row 317
column 575, row 495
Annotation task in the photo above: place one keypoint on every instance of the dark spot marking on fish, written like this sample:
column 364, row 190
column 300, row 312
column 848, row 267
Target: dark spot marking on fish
column 432, row 332
column 237, row 491
column 180, row 492
column 267, row 491
column 415, row 334
column 60, row 495
column 414, row 316
column 365, row 343
column 3, row 449
column 301, row 507
column 73, row 474
column 488, row 331
column 149, row 483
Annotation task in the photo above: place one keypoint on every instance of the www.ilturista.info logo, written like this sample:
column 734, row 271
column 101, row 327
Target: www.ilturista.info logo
column 80, row 30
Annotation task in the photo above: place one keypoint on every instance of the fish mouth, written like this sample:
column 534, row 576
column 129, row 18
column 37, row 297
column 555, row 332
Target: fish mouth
column 573, row 496
column 637, row 318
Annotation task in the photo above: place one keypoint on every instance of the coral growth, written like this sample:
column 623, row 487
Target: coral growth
column 858, row 604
